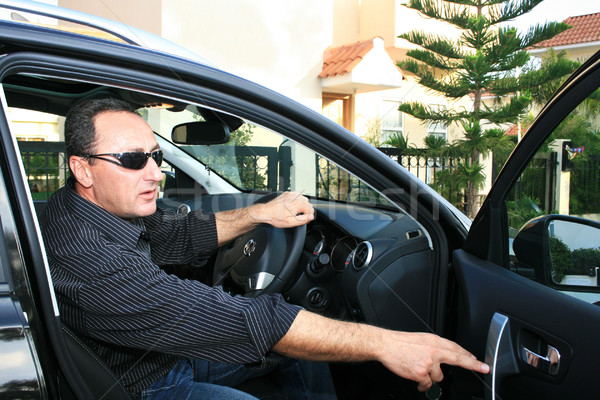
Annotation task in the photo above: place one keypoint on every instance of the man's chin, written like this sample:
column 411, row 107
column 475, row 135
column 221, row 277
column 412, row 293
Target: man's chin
column 146, row 209
column 149, row 210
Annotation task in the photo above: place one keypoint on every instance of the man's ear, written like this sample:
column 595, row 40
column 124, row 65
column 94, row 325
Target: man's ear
column 80, row 167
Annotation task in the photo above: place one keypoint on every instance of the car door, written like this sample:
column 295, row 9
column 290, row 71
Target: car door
column 540, row 341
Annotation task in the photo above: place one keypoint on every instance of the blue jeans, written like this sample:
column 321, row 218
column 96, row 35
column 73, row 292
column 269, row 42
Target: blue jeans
column 198, row 379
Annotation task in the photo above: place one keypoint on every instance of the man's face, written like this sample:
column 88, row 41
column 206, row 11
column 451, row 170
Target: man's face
column 127, row 193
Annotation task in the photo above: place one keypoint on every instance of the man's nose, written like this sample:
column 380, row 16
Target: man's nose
column 153, row 171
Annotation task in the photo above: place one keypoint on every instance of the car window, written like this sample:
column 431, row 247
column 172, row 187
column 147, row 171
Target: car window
column 254, row 159
column 563, row 179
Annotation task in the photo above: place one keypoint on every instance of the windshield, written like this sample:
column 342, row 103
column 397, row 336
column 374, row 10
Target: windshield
column 259, row 159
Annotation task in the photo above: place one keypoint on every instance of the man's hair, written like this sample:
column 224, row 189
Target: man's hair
column 80, row 131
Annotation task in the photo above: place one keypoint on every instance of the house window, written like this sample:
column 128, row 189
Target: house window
column 392, row 120
column 438, row 128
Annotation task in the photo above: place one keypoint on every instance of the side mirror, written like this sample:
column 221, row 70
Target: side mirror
column 200, row 132
column 562, row 250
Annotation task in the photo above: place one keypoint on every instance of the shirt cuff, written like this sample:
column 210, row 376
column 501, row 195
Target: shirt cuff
column 267, row 322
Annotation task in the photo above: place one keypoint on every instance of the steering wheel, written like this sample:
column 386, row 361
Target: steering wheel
column 262, row 260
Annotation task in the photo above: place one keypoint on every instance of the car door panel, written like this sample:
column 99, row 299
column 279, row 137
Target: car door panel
column 538, row 318
column 540, row 343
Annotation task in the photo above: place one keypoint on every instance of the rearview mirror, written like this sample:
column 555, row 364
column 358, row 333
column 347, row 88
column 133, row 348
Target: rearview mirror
column 563, row 250
column 200, row 132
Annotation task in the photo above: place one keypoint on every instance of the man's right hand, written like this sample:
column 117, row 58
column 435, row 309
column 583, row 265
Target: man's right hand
column 414, row 356
column 418, row 357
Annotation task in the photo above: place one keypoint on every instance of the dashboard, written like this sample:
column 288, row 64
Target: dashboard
column 358, row 263
column 365, row 264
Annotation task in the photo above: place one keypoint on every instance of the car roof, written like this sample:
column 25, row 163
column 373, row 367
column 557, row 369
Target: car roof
column 117, row 30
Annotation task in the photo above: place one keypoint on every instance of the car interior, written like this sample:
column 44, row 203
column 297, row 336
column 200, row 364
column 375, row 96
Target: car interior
column 384, row 248
column 363, row 258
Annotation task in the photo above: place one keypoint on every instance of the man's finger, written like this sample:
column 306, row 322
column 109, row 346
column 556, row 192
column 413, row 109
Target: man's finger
column 453, row 346
column 436, row 375
column 465, row 361
column 425, row 384
column 303, row 218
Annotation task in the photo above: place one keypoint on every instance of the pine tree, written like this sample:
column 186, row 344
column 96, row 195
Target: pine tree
column 488, row 58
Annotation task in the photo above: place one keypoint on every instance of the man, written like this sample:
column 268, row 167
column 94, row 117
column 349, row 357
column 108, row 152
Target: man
column 105, row 238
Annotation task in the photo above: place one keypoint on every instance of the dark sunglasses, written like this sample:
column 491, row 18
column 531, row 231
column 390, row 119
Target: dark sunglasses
column 131, row 159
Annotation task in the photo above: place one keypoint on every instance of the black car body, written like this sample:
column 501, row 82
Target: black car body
column 392, row 252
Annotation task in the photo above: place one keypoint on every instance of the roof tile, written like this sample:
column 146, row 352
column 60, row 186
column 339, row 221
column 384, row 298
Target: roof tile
column 585, row 29
column 513, row 130
column 341, row 60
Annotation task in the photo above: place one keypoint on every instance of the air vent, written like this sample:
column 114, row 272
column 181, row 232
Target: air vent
column 413, row 234
column 362, row 255
column 183, row 209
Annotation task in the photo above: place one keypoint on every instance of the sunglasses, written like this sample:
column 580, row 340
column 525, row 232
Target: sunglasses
column 131, row 159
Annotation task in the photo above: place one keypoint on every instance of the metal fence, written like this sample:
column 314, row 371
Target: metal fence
column 433, row 170
column 585, row 186
column 335, row 183
column 269, row 168
column 251, row 167
column 45, row 167
column 537, row 183
column 332, row 182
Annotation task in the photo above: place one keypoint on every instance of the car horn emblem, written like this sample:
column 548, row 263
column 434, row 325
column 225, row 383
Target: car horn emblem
column 249, row 247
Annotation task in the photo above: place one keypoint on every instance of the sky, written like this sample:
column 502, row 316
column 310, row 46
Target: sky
column 548, row 10
column 556, row 10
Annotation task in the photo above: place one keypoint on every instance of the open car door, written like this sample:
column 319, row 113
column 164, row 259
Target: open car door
column 539, row 332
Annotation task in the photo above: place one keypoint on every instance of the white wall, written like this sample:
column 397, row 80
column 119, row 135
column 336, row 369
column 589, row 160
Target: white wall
column 278, row 44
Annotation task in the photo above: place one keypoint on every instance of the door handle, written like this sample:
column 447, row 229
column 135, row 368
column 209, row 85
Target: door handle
column 500, row 355
column 549, row 364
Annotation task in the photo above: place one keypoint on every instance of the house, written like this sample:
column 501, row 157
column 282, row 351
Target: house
column 579, row 42
column 360, row 67
column 297, row 48
column 373, row 113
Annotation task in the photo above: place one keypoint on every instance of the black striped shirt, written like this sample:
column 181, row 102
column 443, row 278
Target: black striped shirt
column 139, row 319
